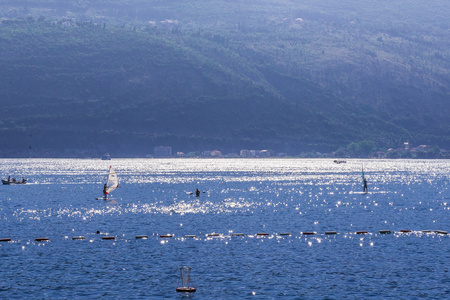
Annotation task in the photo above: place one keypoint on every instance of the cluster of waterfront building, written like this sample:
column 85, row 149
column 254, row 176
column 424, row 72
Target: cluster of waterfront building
column 166, row 151
column 422, row 151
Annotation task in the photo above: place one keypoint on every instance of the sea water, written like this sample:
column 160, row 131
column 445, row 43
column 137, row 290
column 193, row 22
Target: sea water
column 249, row 196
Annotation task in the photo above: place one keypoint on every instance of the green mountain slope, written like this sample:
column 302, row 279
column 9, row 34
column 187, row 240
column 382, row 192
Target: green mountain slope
column 86, row 79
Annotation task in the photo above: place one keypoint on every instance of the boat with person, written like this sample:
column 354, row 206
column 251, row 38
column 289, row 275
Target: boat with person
column 106, row 156
column 10, row 181
column 112, row 182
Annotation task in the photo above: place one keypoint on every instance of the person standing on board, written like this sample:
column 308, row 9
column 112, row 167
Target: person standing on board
column 365, row 186
column 104, row 192
column 197, row 193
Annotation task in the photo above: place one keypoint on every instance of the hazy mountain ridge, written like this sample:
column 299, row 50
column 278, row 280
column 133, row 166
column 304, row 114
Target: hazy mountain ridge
column 200, row 80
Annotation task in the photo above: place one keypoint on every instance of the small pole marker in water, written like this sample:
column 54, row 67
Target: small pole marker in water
column 184, row 285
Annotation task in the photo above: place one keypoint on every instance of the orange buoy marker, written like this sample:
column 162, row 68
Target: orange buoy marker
column 5, row 240
column 361, row 232
column 385, row 231
column 185, row 277
column 142, row 237
column 108, row 238
column 330, row 232
column 42, row 239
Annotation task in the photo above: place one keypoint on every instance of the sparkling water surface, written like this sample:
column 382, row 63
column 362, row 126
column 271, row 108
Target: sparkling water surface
column 247, row 196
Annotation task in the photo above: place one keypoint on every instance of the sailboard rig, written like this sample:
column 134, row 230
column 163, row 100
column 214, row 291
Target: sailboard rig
column 112, row 182
column 364, row 181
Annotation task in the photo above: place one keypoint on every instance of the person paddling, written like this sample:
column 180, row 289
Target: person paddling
column 197, row 192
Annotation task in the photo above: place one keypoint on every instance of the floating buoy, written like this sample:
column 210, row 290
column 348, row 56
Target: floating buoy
column 108, row 238
column 42, row 239
column 361, row 232
column 405, row 231
column 190, row 236
column 441, row 232
column 185, row 278
column 262, row 234
column 78, row 238
column 330, row 232
column 186, row 289
column 237, row 234
column 385, row 231
column 142, row 237
column 213, row 234
column 5, row 240
column 285, row 233
column 166, row 236
column 308, row 233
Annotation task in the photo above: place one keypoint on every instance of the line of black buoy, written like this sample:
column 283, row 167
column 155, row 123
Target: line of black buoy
column 259, row 234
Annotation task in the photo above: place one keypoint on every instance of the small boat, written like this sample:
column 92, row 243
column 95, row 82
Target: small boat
column 14, row 181
column 106, row 156
column 339, row 161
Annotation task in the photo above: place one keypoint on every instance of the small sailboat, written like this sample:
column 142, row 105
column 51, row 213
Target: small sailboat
column 111, row 184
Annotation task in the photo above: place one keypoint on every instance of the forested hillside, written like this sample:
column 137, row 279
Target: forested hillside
column 79, row 78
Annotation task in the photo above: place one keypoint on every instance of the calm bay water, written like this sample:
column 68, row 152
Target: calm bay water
column 246, row 196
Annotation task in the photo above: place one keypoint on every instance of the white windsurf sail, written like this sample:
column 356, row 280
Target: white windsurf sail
column 113, row 182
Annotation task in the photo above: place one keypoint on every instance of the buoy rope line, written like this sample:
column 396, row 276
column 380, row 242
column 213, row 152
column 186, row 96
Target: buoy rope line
column 105, row 236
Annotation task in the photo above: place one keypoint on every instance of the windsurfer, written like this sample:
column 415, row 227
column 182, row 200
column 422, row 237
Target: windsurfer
column 365, row 185
column 104, row 192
